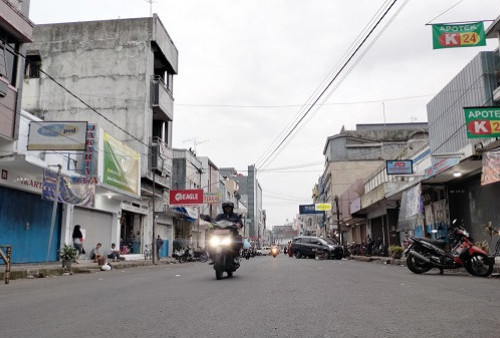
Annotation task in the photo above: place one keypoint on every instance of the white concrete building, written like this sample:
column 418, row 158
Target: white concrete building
column 118, row 76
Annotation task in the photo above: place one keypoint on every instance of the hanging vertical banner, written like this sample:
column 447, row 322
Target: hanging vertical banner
column 491, row 167
column 72, row 189
column 453, row 35
column 90, row 156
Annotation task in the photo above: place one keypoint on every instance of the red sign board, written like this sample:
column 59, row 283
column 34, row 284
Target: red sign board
column 183, row 197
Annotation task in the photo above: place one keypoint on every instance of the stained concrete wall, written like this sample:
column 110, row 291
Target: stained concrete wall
column 106, row 64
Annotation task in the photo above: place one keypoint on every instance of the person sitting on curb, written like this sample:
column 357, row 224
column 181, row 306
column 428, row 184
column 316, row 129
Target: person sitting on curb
column 114, row 253
column 96, row 256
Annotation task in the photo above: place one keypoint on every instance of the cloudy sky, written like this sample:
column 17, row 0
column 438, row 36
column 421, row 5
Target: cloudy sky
column 248, row 67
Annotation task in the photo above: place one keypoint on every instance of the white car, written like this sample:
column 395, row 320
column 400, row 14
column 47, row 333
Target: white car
column 265, row 251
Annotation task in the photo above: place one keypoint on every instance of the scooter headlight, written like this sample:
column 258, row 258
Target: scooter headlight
column 220, row 241
column 226, row 241
column 215, row 241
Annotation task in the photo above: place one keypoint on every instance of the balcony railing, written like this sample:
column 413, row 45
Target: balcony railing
column 161, row 157
column 162, row 100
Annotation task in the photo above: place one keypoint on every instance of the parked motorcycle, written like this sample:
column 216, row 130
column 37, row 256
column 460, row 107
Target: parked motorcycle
column 275, row 251
column 424, row 254
column 191, row 255
column 223, row 243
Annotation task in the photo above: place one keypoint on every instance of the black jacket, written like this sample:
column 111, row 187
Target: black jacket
column 232, row 217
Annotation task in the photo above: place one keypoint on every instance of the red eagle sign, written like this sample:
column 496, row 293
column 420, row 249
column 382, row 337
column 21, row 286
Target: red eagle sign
column 185, row 197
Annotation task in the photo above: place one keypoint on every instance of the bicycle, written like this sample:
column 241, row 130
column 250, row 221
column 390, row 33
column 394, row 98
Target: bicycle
column 148, row 254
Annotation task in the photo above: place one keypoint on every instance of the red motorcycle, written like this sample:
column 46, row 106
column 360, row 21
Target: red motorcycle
column 424, row 254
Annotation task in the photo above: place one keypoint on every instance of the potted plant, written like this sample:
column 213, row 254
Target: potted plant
column 67, row 255
column 395, row 251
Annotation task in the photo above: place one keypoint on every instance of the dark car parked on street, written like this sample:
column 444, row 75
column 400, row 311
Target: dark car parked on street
column 309, row 246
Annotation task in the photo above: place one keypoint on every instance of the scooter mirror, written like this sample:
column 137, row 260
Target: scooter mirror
column 434, row 231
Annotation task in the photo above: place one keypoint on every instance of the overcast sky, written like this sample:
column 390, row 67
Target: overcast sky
column 246, row 68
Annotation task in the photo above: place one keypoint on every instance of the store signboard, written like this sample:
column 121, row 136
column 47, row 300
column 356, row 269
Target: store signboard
column 323, row 206
column 482, row 122
column 211, row 198
column 309, row 209
column 399, row 167
column 45, row 135
column 185, row 197
column 458, row 35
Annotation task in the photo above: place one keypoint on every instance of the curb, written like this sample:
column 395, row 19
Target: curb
column 55, row 269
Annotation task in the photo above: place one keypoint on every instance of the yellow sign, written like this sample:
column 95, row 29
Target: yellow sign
column 323, row 206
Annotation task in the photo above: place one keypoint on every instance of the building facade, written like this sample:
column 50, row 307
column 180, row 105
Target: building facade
column 354, row 155
column 117, row 75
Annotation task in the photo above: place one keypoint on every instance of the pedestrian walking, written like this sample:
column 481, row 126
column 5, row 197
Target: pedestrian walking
column 290, row 249
column 77, row 241
column 159, row 245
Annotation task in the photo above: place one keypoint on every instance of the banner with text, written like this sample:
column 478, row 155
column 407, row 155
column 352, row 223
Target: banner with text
column 482, row 122
column 211, row 198
column 454, row 35
column 491, row 167
column 309, row 209
column 72, row 189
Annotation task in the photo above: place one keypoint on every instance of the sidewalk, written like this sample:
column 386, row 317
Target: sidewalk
column 40, row 270
column 402, row 262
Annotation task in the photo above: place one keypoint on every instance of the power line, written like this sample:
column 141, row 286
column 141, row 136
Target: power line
column 296, row 119
column 78, row 98
column 445, row 11
column 268, row 157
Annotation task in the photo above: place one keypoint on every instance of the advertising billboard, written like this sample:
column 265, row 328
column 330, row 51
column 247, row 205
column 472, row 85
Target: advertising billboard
column 120, row 169
column 52, row 135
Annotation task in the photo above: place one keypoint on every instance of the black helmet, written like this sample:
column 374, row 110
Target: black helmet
column 227, row 203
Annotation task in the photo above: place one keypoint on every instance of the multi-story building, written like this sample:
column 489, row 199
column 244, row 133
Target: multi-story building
column 352, row 155
column 371, row 207
column 251, row 195
column 20, row 181
column 117, row 75
column 457, row 159
column 187, row 175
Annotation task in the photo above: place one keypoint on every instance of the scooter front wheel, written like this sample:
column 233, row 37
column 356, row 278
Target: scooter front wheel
column 218, row 273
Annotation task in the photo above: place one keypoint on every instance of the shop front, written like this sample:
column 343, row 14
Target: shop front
column 133, row 234
column 96, row 227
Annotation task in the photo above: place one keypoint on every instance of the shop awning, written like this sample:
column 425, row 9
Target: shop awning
column 189, row 214
column 453, row 170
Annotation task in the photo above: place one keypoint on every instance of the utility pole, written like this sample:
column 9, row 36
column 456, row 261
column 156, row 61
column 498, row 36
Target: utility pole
column 154, row 219
column 154, row 163
column 54, row 209
column 338, row 218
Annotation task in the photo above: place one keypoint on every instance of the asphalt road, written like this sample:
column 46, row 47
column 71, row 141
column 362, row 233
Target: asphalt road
column 282, row 297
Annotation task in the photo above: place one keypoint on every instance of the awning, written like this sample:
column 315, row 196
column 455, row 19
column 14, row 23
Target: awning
column 448, row 173
column 190, row 214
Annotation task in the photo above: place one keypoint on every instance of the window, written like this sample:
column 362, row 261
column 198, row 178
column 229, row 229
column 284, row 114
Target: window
column 8, row 58
column 33, row 65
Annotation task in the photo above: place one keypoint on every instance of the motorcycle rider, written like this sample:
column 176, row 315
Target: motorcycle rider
column 228, row 214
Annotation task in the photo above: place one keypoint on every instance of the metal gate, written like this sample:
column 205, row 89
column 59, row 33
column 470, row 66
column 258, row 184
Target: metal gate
column 25, row 225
